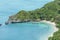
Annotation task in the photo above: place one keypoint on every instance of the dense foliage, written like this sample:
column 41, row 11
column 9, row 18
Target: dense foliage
column 50, row 12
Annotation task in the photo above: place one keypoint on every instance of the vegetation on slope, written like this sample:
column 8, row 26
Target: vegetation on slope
column 50, row 12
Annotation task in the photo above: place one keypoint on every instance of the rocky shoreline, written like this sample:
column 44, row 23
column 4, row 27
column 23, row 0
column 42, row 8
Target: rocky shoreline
column 14, row 20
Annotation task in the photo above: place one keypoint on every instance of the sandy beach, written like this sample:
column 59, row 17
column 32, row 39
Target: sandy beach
column 54, row 26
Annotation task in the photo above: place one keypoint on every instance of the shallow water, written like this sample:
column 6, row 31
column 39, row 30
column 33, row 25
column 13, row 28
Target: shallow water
column 22, row 31
column 26, row 31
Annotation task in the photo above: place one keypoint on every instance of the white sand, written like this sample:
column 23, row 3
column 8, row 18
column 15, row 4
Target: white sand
column 53, row 24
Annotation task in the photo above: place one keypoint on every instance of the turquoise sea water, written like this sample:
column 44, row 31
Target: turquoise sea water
column 26, row 31
column 22, row 31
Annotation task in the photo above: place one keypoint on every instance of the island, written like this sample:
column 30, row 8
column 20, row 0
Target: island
column 49, row 12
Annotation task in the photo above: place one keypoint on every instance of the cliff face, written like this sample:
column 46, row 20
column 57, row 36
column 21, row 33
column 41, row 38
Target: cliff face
column 14, row 20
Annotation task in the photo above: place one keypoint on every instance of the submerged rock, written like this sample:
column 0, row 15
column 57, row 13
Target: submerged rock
column 6, row 23
column 0, row 24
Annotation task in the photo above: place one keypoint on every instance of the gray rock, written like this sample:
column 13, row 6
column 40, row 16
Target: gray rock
column 0, row 24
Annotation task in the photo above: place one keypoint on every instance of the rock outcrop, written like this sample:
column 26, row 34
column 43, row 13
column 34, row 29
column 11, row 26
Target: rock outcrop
column 0, row 24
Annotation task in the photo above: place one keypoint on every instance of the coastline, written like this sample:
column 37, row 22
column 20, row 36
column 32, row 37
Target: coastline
column 53, row 24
